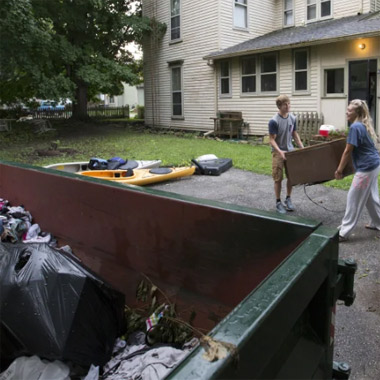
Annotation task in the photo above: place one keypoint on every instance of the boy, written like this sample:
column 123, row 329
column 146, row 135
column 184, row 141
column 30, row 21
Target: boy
column 282, row 129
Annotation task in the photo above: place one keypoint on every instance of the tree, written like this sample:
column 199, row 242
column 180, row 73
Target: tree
column 74, row 49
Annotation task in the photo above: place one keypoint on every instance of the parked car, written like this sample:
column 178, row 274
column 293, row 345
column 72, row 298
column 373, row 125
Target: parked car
column 50, row 106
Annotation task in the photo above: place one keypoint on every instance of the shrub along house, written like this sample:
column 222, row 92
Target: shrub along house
column 239, row 55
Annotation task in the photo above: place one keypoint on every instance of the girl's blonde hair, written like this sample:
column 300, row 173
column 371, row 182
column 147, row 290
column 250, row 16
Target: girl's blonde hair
column 362, row 115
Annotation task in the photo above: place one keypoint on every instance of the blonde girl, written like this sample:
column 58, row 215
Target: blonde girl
column 361, row 146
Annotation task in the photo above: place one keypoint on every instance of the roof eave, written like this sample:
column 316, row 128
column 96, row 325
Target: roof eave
column 291, row 46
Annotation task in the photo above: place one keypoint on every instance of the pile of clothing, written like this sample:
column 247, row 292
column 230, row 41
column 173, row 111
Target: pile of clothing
column 136, row 360
column 16, row 225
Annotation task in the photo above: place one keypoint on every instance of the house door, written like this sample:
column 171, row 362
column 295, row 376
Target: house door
column 362, row 83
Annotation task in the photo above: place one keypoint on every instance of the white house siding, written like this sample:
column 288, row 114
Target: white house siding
column 300, row 12
column 375, row 5
column 261, row 20
column 199, row 32
column 340, row 8
column 140, row 94
column 343, row 8
column 338, row 55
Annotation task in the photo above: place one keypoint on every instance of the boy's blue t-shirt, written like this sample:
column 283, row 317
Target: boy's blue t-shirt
column 283, row 128
column 364, row 156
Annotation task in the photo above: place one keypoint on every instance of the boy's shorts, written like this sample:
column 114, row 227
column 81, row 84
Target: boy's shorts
column 277, row 167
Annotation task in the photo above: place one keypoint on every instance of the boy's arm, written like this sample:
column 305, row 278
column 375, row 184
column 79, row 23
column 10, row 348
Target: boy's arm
column 297, row 139
column 272, row 141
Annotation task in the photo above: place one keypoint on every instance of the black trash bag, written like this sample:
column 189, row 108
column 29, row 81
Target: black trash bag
column 53, row 307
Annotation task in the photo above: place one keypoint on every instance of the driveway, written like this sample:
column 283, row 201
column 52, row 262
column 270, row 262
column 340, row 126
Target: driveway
column 357, row 328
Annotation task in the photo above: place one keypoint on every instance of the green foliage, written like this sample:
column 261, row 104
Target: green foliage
column 140, row 112
column 170, row 328
column 338, row 134
column 50, row 49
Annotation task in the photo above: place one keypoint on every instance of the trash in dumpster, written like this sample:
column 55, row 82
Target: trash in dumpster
column 33, row 368
column 16, row 226
column 216, row 349
column 134, row 359
column 53, row 307
column 161, row 321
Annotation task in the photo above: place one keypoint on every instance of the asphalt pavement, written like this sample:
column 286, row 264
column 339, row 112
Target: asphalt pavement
column 357, row 328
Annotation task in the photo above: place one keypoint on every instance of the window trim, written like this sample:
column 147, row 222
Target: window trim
column 259, row 75
column 235, row 4
column 320, row 10
column 256, row 74
column 174, row 40
column 176, row 65
column 287, row 10
column 318, row 4
column 343, row 94
column 229, row 94
column 269, row 73
column 307, row 91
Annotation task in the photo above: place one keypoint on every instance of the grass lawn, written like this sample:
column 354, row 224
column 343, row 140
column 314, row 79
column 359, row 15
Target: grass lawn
column 80, row 142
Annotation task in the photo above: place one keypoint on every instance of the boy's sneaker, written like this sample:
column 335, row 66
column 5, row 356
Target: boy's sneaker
column 280, row 208
column 289, row 205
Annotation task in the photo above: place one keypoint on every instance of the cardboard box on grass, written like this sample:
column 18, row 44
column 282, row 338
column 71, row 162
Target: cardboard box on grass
column 317, row 163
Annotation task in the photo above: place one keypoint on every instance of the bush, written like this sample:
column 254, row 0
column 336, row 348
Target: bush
column 13, row 113
column 140, row 112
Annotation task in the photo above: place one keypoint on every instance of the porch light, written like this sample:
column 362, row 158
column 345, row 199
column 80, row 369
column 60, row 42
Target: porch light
column 361, row 46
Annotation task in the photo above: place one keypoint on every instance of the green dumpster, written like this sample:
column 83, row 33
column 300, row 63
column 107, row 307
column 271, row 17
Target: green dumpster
column 264, row 283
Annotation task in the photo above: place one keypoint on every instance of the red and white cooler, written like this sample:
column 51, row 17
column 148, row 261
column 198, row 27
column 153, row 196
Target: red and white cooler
column 324, row 130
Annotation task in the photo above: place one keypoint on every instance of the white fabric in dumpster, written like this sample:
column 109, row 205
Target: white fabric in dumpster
column 135, row 360
column 33, row 368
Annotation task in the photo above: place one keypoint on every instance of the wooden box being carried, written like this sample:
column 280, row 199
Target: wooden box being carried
column 317, row 163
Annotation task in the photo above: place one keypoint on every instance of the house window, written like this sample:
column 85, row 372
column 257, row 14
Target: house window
column 112, row 99
column 269, row 73
column 318, row 9
column 177, row 96
column 225, row 78
column 325, row 8
column 248, row 75
column 240, row 14
column 301, row 66
column 175, row 21
column 334, row 81
column 288, row 13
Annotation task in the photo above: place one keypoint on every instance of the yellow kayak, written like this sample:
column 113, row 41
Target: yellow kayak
column 140, row 177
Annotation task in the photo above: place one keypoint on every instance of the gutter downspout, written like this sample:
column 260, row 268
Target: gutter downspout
column 215, row 64
column 216, row 89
